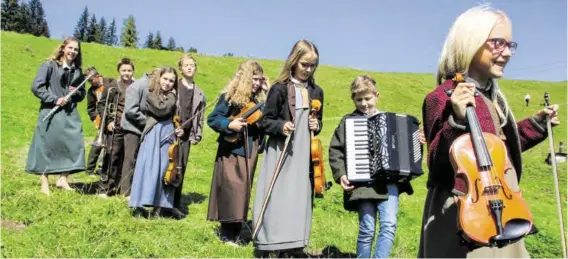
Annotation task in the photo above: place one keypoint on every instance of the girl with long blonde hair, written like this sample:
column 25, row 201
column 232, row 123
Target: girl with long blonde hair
column 58, row 146
column 285, row 225
column 236, row 158
column 479, row 45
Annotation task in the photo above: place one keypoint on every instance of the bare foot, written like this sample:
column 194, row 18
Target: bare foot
column 44, row 185
column 45, row 190
column 62, row 183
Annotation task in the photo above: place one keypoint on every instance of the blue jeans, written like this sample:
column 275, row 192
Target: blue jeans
column 388, row 210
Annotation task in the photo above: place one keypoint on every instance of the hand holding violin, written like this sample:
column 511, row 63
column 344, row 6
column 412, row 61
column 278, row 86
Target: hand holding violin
column 313, row 124
column 462, row 95
column 237, row 124
column 179, row 132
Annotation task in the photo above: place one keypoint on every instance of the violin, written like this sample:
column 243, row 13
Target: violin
column 490, row 213
column 174, row 171
column 316, row 151
column 251, row 113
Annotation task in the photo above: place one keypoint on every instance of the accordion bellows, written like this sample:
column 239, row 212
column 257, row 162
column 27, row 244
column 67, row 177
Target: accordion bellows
column 383, row 146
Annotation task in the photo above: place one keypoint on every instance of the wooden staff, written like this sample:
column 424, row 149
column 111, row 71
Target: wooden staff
column 555, row 173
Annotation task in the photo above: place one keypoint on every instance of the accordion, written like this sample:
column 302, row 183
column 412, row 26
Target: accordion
column 383, row 146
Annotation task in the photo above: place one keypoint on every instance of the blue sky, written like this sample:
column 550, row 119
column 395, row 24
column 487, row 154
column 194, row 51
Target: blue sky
column 383, row 36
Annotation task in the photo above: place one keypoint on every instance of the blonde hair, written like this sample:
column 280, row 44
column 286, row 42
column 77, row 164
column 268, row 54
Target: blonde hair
column 363, row 84
column 467, row 35
column 239, row 89
column 184, row 57
column 57, row 54
column 301, row 48
column 155, row 78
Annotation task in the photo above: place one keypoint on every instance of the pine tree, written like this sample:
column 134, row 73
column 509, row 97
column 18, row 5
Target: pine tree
column 171, row 44
column 180, row 49
column 10, row 11
column 111, row 37
column 24, row 19
column 157, row 41
column 38, row 23
column 129, row 36
column 82, row 25
column 92, row 29
column 102, row 35
column 192, row 50
column 43, row 27
column 149, row 41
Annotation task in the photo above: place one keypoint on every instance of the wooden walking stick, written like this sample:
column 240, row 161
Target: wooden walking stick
column 555, row 173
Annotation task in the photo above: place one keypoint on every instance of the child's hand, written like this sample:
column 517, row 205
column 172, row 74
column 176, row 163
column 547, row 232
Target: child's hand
column 421, row 137
column 287, row 128
column 237, row 124
column 179, row 132
column 110, row 126
column 345, row 183
column 551, row 111
column 313, row 124
column 61, row 101
column 462, row 96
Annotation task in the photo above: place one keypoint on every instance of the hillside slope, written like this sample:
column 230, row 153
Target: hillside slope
column 80, row 225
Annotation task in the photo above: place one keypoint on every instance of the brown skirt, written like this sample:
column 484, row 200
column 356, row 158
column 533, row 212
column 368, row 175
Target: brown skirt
column 231, row 186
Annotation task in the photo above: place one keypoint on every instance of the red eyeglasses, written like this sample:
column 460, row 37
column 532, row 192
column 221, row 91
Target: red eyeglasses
column 499, row 45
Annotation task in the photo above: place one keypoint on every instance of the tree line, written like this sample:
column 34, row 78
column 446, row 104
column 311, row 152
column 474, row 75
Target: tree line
column 24, row 18
column 91, row 30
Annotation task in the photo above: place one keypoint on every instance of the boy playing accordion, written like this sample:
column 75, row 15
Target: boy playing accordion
column 367, row 198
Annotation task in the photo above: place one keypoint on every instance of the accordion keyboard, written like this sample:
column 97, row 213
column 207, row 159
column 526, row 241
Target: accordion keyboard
column 357, row 147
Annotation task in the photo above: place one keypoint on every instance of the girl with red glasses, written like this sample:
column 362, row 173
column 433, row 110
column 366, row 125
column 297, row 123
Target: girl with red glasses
column 479, row 45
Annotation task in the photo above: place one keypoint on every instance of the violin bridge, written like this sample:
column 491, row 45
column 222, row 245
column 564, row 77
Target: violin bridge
column 491, row 189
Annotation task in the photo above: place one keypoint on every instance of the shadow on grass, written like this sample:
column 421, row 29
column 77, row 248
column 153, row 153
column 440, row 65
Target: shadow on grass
column 89, row 188
column 190, row 198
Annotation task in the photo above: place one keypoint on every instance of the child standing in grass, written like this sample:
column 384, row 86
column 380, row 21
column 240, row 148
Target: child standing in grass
column 479, row 45
column 58, row 145
column 366, row 198
column 148, row 188
column 191, row 104
column 232, row 183
column 286, row 222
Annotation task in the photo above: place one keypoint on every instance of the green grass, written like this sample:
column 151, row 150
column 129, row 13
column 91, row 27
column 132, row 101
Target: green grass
column 77, row 225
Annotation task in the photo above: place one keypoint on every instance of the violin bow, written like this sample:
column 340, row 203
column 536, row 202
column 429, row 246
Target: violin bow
column 187, row 121
column 555, row 173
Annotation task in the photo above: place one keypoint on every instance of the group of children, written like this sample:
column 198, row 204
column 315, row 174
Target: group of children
column 282, row 207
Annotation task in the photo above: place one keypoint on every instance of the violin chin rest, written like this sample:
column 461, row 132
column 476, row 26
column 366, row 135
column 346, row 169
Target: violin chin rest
column 514, row 230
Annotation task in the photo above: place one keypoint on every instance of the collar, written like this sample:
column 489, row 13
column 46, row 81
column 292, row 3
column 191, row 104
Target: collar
column 489, row 90
column 65, row 66
column 188, row 86
column 357, row 112
column 298, row 82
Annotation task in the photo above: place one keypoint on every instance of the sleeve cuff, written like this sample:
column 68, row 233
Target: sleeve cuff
column 540, row 126
column 338, row 177
column 454, row 124
column 225, row 125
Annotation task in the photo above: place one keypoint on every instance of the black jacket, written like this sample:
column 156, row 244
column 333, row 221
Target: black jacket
column 280, row 108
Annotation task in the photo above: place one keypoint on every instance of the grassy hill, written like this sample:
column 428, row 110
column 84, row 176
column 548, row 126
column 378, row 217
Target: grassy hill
column 79, row 225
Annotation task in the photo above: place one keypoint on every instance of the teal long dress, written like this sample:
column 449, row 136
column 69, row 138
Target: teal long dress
column 58, row 144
